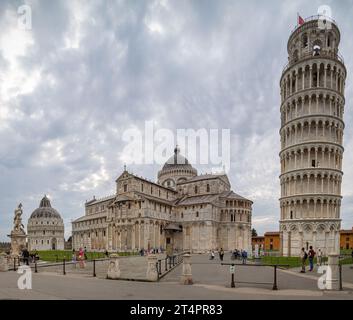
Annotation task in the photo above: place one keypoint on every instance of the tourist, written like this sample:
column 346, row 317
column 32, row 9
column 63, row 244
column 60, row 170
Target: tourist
column 25, row 255
column 81, row 258
column 85, row 253
column 311, row 255
column 221, row 254
column 303, row 257
column 244, row 255
column 73, row 258
column 319, row 257
column 212, row 255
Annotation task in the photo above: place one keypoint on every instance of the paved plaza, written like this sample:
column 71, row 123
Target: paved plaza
column 130, row 267
column 211, row 282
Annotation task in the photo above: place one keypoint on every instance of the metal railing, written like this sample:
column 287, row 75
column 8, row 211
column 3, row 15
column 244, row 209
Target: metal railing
column 163, row 266
column 275, row 266
column 342, row 261
column 168, row 263
column 312, row 18
column 17, row 261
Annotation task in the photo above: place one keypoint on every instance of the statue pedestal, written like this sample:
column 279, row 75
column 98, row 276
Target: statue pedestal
column 18, row 242
column 114, row 267
column 152, row 273
column 333, row 273
column 4, row 266
column 186, row 277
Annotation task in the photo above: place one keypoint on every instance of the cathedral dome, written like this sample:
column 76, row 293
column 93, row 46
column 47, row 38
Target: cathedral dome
column 177, row 161
column 45, row 210
column 176, row 169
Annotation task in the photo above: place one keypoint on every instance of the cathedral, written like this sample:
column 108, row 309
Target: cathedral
column 182, row 211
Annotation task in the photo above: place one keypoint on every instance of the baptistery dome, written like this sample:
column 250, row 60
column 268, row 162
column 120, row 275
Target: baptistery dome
column 45, row 228
column 45, row 210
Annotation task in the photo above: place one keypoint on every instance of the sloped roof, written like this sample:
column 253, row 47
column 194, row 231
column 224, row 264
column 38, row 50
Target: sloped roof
column 271, row 233
column 172, row 227
column 207, row 177
column 91, row 216
column 131, row 175
column 233, row 195
column 152, row 198
column 210, row 198
column 95, row 201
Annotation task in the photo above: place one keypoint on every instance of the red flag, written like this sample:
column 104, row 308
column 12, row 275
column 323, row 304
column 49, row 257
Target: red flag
column 300, row 20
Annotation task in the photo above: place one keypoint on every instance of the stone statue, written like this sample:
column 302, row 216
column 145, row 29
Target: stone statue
column 18, row 227
column 18, row 235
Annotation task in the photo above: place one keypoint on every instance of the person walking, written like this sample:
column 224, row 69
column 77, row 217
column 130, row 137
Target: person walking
column 74, row 258
column 81, row 258
column 221, row 254
column 211, row 255
column 303, row 257
column 319, row 257
column 311, row 255
column 25, row 255
column 244, row 256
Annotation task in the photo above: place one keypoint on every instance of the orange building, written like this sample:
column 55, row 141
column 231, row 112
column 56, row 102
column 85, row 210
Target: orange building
column 346, row 239
column 272, row 241
column 258, row 240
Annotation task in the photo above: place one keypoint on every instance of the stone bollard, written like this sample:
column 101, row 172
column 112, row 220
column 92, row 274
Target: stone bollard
column 333, row 273
column 152, row 273
column 4, row 266
column 114, row 267
column 186, row 277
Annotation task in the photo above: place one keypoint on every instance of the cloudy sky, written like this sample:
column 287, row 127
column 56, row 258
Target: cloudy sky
column 89, row 70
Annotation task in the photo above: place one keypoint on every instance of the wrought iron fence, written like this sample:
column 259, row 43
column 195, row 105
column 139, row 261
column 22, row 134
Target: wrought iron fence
column 168, row 263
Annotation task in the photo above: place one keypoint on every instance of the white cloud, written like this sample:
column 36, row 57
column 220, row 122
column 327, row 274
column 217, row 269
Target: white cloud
column 88, row 71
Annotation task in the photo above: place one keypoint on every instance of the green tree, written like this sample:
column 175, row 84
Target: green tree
column 253, row 233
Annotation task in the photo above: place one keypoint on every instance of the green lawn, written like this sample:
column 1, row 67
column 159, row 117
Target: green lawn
column 295, row 262
column 347, row 252
column 56, row 255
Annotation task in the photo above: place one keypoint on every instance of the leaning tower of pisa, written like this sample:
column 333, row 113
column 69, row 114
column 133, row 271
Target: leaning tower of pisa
column 312, row 107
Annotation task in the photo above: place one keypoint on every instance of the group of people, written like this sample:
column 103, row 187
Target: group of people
column 242, row 255
column 236, row 254
column 310, row 254
column 29, row 257
column 80, row 256
column 144, row 252
column 305, row 255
